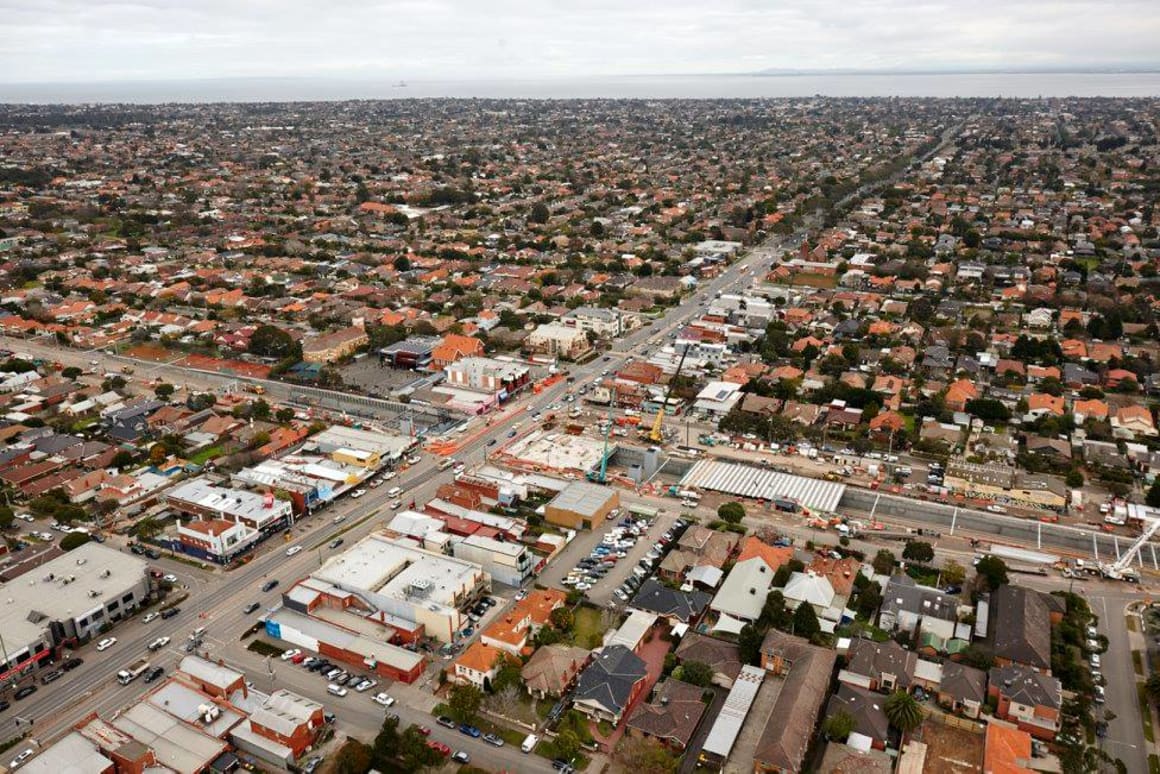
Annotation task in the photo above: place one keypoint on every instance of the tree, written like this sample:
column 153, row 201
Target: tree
column 567, row 744
column 402, row 263
column 414, row 753
column 123, row 459
column 805, row 621
column 270, row 341
column 917, row 551
column 749, row 641
column 731, row 512
column 284, row 415
column 539, row 213
column 6, row 517
column 563, row 619
column 953, row 573
column 838, row 726
column 72, row 372
column 464, row 702
column 697, row 673
column 354, row 757
column 1074, row 479
column 991, row 572
column 260, row 409
column 883, row 562
column 1153, row 496
column 164, row 391
column 902, row 711
column 73, row 540
column 386, row 742
column 774, row 612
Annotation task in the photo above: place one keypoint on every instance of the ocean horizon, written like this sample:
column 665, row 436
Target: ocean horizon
column 1016, row 85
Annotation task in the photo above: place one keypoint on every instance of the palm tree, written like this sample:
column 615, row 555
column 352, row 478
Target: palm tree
column 903, row 711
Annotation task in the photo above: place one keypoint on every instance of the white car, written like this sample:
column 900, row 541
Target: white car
column 19, row 759
column 293, row 550
column 384, row 699
column 170, row 578
column 150, row 617
column 106, row 643
column 366, row 684
column 583, row 586
column 289, row 654
column 157, row 644
column 357, row 493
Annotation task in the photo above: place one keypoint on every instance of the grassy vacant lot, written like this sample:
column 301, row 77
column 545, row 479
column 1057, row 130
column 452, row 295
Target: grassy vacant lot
column 589, row 629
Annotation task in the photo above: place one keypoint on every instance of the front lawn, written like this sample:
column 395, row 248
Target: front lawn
column 205, row 455
column 589, row 629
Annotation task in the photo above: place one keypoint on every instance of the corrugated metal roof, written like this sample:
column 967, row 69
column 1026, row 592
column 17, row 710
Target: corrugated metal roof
column 733, row 713
column 758, row 483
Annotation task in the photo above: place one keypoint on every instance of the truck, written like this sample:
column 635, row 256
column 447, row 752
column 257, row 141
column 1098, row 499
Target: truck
column 133, row 671
column 1011, row 554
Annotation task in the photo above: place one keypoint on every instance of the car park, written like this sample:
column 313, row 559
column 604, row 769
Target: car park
column 106, row 643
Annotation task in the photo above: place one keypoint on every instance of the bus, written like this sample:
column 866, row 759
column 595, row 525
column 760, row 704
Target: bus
column 643, row 511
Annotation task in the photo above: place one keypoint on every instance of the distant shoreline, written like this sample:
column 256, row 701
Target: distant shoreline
column 1124, row 83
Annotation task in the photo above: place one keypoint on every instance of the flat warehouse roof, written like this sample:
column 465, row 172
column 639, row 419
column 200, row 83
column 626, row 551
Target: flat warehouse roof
column 758, row 483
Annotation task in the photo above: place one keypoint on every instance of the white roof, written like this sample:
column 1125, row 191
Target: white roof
column 733, row 713
column 758, row 483
column 72, row 754
column 209, row 672
column 177, row 745
column 633, row 630
column 743, row 593
column 706, row 574
column 809, row 587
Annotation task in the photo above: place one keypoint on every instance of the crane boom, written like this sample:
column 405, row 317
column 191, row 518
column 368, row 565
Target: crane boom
column 655, row 434
column 1118, row 567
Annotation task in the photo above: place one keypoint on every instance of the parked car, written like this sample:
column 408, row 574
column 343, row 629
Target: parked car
column 439, row 747
column 365, row 684
column 52, row 676
column 169, row 612
column 461, row 757
column 469, row 730
column 19, row 759
column 384, row 699
column 21, row 693
column 71, row 664
column 336, row 690
column 148, row 617
column 493, row 740
column 289, row 654
column 357, row 493
column 445, row 721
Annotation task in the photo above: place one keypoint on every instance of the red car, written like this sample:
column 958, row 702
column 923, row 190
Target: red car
column 423, row 730
column 439, row 747
column 298, row 658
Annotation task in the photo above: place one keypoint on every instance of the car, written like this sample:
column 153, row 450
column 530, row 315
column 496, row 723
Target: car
column 137, row 549
column 336, row 690
column 384, row 699
column 293, row 550
column 169, row 578
column 439, row 747
column 315, row 666
column 289, row 654
column 461, row 757
column 340, row 518
column 511, row 434
column 559, row 764
column 158, row 643
column 4, row 705
column 422, row 730
column 365, row 684
column 70, row 664
column 311, row 765
column 251, row 607
column 1095, row 659
column 19, row 759
column 153, row 553
column 1091, row 632
column 169, row 612
column 269, row 585
column 344, row 679
column 491, row 442
column 1093, row 645
column 1100, row 697
column 298, row 659
column 469, row 730
column 27, row 690
column 336, row 542
column 582, row 586
column 521, row 595
column 106, row 643
column 621, row 595
column 52, row 676
column 445, row 721
column 396, row 504
column 357, row 493
column 153, row 673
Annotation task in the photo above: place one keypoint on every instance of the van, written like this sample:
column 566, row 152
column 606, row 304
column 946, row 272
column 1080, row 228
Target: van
column 336, row 690
column 197, row 633
column 394, row 491
column 529, row 743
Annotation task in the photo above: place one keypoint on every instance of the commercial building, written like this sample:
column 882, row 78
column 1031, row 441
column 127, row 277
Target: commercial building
column 201, row 498
column 414, row 352
column 65, row 601
column 498, row 378
column 581, row 505
column 216, row 540
column 604, row 323
column 558, row 341
column 364, row 448
column 334, row 346
column 508, row 563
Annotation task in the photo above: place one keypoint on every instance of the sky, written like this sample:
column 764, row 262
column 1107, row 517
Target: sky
column 76, row 41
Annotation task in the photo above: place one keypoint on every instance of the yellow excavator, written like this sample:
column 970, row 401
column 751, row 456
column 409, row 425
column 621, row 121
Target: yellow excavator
column 655, row 435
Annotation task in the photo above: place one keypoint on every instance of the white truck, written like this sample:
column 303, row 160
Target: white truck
column 133, row 671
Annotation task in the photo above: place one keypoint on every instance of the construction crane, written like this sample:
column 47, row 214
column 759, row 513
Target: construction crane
column 1121, row 569
column 601, row 477
column 655, row 435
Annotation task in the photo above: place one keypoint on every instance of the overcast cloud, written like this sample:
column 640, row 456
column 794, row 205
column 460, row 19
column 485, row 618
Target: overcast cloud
column 110, row 40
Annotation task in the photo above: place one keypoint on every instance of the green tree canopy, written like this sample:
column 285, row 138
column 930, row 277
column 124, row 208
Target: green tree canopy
column 464, row 702
column 697, row 673
column 805, row 621
column 883, row 562
column 838, row 726
column 749, row 641
column 270, row 341
column 902, row 711
column 991, row 572
column 73, row 540
column 918, row 551
column 731, row 512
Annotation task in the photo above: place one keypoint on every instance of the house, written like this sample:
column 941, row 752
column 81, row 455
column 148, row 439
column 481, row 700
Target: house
column 552, row 669
column 963, row 688
column 478, row 665
column 814, row 590
column 454, row 347
column 865, row 708
column 723, row 657
column 743, row 593
column 610, row 684
column 905, row 604
column 879, row 666
column 1007, row 750
column 1020, row 622
column 1028, row 698
column 671, row 717
column 671, row 604
column 806, row 671
column 1135, row 420
column 841, row 758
